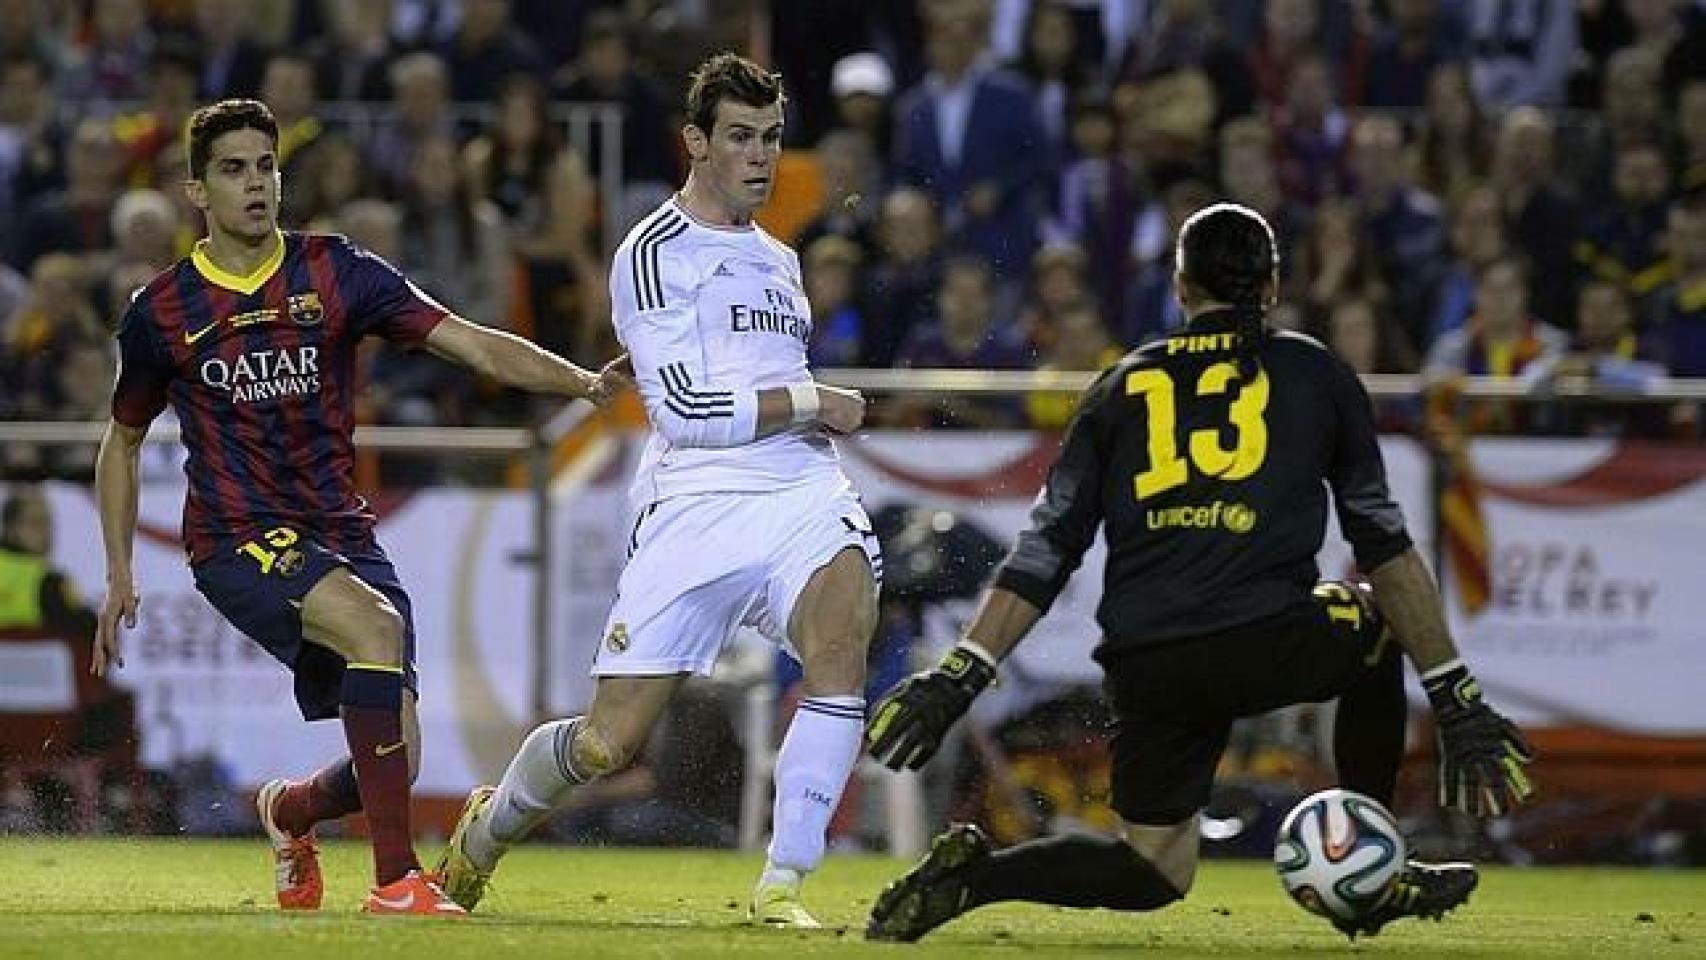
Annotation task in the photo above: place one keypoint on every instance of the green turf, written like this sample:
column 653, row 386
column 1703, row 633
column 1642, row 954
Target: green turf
column 212, row 900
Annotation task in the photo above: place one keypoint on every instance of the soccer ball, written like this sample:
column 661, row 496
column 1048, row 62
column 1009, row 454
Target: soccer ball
column 1338, row 853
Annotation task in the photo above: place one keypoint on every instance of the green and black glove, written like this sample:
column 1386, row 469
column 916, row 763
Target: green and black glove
column 909, row 723
column 1481, row 753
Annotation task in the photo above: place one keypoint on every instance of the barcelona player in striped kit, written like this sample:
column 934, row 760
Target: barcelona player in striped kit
column 252, row 340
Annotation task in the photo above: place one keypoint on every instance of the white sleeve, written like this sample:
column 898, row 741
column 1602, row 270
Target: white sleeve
column 652, row 294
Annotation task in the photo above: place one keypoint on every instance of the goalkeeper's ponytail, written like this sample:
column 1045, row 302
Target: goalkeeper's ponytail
column 1228, row 251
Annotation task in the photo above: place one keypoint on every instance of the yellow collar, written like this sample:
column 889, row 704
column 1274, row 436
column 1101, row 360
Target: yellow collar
column 242, row 283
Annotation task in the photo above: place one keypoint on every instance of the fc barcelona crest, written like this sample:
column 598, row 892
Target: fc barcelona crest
column 305, row 309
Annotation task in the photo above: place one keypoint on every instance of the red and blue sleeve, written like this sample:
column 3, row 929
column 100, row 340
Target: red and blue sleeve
column 144, row 369
column 382, row 302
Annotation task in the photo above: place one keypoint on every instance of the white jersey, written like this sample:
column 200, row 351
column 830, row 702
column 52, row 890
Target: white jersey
column 710, row 316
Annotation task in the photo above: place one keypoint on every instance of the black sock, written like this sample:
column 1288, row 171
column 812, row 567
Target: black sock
column 1073, row 871
column 1368, row 732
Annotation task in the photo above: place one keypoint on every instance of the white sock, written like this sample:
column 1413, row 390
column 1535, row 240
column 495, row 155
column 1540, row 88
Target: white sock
column 539, row 777
column 818, row 753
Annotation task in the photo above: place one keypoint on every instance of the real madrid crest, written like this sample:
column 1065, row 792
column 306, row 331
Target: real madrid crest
column 305, row 308
column 617, row 640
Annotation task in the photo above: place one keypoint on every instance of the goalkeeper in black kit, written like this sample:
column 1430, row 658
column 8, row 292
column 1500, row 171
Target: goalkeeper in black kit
column 1205, row 458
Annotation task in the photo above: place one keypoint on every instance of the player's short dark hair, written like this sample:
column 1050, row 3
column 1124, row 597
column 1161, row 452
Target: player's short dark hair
column 213, row 121
column 729, row 76
column 1227, row 250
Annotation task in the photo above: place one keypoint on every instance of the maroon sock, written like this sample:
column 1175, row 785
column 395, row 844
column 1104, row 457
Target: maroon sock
column 327, row 795
column 373, row 725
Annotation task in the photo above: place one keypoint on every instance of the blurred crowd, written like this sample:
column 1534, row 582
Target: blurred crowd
column 1508, row 187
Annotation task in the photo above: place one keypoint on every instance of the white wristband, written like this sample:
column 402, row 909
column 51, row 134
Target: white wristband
column 805, row 400
column 979, row 651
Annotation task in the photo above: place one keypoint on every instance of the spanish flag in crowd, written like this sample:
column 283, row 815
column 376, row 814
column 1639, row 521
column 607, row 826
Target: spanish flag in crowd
column 1462, row 525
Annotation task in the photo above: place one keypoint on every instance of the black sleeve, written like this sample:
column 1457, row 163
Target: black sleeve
column 1067, row 511
column 1369, row 518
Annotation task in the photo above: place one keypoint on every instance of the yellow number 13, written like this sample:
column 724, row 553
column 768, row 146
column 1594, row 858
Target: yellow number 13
column 1167, row 469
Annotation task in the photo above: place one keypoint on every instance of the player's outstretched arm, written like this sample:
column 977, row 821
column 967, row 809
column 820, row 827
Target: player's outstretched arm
column 508, row 359
column 911, row 721
column 116, row 489
column 1481, row 753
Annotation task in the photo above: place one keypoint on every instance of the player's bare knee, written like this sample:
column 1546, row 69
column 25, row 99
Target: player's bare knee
column 381, row 635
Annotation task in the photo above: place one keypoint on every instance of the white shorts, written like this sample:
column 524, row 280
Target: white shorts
column 701, row 566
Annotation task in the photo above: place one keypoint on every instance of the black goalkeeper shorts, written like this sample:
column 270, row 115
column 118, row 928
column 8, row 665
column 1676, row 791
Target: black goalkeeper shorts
column 1174, row 705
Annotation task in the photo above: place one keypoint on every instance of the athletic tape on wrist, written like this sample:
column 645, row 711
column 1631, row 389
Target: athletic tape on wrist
column 805, row 400
column 1455, row 663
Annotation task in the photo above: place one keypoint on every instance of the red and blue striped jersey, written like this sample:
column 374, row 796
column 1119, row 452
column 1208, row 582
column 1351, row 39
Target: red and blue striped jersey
column 261, row 372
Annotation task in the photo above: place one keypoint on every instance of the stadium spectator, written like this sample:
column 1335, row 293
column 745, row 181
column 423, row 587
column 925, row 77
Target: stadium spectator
column 1056, row 75
column 32, row 141
column 1605, row 345
column 1677, row 315
column 76, row 219
column 1339, row 262
column 113, row 66
column 1365, row 336
column 1058, row 282
column 34, row 594
column 352, row 59
column 1185, row 35
column 1310, row 135
column 605, row 72
column 231, row 62
column 1453, row 148
column 1541, row 216
column 968, row 136
column 454, row 244
column 1098, row 201
column 831, row 267
column 333, row 175
column 145, row 228
column 486, row 49
column 1675, row 34
column 172, row 72
column 1501, row 339
column 287, row 86
column 1632, row 112
column 1403, row 222
column 1407, row 52
column 900, row 283
column 965, row 336
column 1478, row 236
column 1294, row 31
column 1621, row 241
column 1100, row 28
column 40, row 336
column 1076, row 340
column 1520, row 52
column 549, row 200
column 847, row 168
column 419, row 111
column 863, row 86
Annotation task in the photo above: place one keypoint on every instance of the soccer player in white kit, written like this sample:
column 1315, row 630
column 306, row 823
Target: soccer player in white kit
column 743, row 516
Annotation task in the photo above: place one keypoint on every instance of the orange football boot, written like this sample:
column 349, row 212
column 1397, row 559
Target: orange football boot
column 296, row 860
column 416, row 894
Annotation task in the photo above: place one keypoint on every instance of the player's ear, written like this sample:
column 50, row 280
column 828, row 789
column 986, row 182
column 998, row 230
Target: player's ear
column 197, row 192
column 698, row 145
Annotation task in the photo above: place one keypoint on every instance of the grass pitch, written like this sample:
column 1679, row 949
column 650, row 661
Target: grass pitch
column 211, row 900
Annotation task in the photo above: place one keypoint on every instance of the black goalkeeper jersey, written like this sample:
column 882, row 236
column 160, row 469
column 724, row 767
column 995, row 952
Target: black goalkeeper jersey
column 1211, row 489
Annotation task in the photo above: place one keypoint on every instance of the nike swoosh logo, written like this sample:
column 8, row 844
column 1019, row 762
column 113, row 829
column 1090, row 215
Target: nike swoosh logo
column 388, row 749
column 401, row 903
column 191, row 338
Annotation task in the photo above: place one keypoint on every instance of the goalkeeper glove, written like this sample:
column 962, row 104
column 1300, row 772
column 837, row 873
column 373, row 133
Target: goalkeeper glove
column 1481, row 753
column 910, row 722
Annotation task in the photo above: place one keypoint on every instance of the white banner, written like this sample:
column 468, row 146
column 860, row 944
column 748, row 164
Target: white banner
column 1597, row 615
